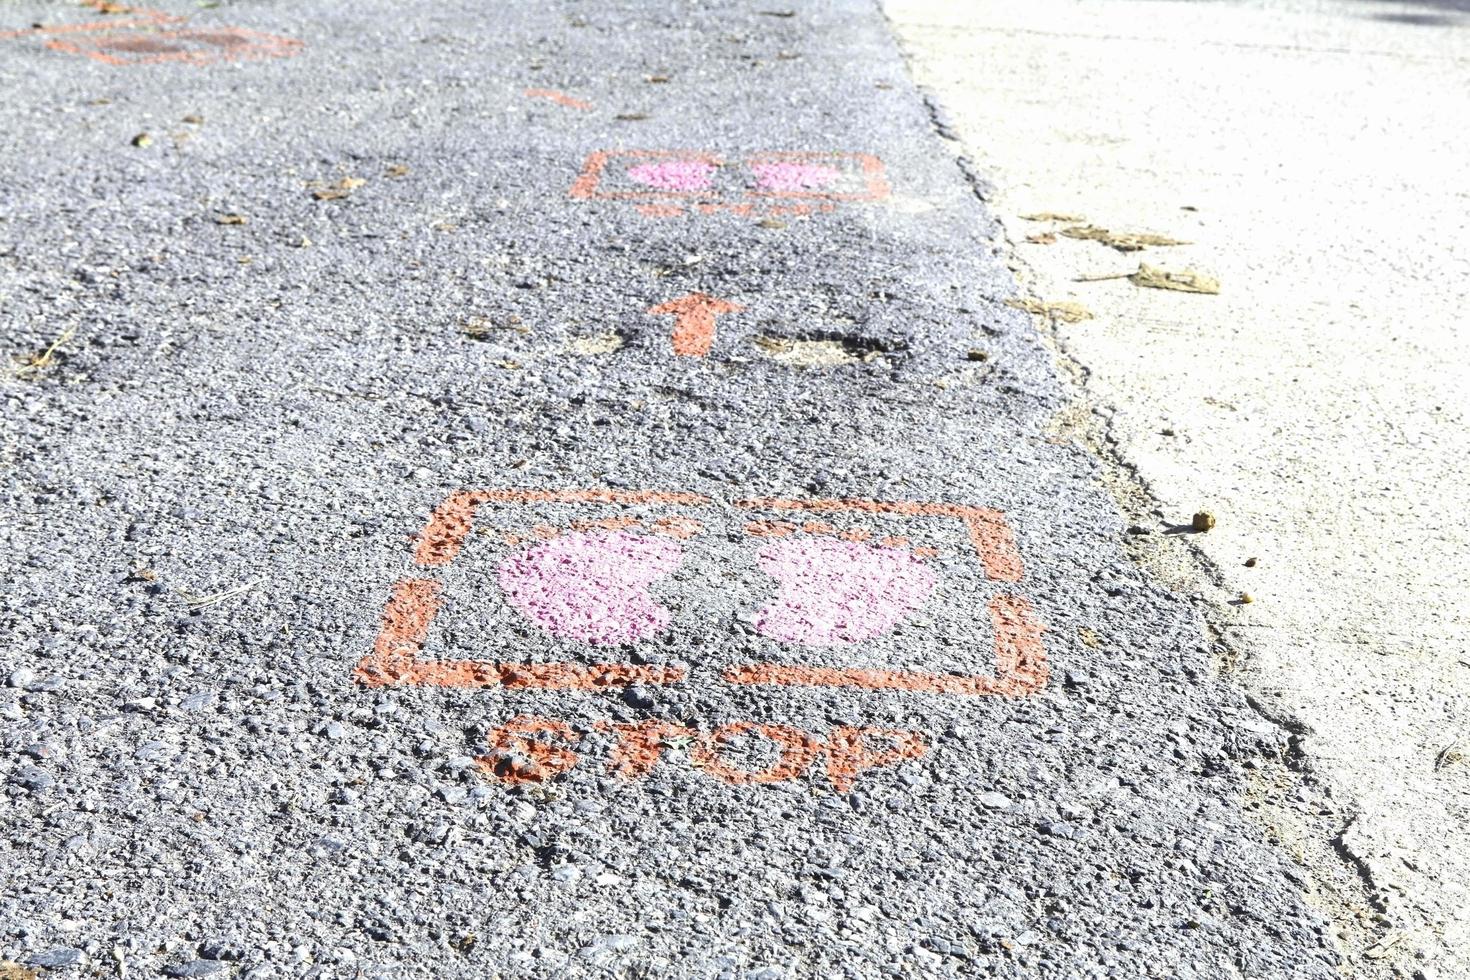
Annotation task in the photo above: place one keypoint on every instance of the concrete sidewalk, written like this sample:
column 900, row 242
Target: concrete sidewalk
column 1314, row 157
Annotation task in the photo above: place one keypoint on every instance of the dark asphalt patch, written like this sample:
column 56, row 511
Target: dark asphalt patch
column 250, row 417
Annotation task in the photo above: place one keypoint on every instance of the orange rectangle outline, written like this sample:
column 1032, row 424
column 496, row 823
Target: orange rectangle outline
column 586, row 186
column 259, row 45
column 1020, row 656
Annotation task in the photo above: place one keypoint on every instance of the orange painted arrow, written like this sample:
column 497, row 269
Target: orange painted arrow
column 694, row 321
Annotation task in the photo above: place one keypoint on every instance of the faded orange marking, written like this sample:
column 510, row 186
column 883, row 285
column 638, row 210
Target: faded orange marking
column 224, row 44
column 444, row 534
column 988, row 530
column 769, row 529
column 694, row 321
column 855, row 534
column 678, row 527
column 848, row 754
column 926, row 552
column 560, row 98
column 660, row 210
column 145, row 18
column 640, row 745
column 818, row 527
column 545, row 532
column 894, row 541
column 797, row 751
column 550, row 676
column 409, row 613
column 605, row 524
column 515, row 758
column 1020, row 664
column 406, row 619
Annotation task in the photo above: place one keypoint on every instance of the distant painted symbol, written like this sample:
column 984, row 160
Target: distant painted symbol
column 844, row 594
column 673, row 183
column 142, row 36
column 694, row 321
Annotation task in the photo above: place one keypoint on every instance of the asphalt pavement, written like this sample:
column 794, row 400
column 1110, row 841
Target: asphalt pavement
column 556, row 490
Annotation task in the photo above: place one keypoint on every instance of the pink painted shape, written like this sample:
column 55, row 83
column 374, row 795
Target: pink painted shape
column 674, row 175
column 592, row 586
column 793, row 177
column 835, row 592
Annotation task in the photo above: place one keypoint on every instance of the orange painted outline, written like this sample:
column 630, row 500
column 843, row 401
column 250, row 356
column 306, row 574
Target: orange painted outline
column 1020, row 655
column 257, row 46
column 560, row 98
column 587, row 185
column 145, row 18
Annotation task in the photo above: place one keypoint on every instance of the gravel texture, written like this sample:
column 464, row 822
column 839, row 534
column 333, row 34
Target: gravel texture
column 212, row 490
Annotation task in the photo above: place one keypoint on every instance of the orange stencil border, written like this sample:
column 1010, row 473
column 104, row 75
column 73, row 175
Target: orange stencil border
column 1020, row 654
column 258, row 46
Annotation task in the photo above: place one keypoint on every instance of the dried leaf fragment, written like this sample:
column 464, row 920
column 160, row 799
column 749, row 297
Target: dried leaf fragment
column 230, row 219
column 1450, row 754
column 33, row 364
column 773, row 223
column 602, row 343
column 339, row 190
column 143, row 140
column 1187, row 281
column 14, row 971
column 1066, row 311
column 1123, row 241
column 1202, row 521
column 396, row 170
column 805, row 353
column 1042, row 238
column 1052, row 216
column 656, row 79
column 194, row 119
column 1384, row 945
column 630, row 116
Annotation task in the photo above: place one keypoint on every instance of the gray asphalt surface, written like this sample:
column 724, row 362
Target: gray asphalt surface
column 195, row 784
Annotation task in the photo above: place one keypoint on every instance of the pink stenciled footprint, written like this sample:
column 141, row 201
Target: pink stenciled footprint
column 838, row 592
column 674, row 175
column 592, row 587
column 793, row 177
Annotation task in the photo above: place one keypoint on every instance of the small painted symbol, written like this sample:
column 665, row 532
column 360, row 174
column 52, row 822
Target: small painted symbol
column 694, row 321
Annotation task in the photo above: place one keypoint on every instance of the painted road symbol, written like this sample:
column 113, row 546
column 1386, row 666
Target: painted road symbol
column 670, row 183
column 138, row 39
column 533, row 749
column 694, row 321
column 846, row 587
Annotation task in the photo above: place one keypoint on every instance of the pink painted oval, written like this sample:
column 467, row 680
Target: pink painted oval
column 592, row 586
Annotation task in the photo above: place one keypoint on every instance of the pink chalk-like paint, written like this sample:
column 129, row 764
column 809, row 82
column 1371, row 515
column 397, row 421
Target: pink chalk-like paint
column 674, row 175
column 793, row 177
column 835, row 593
column 592, row 587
